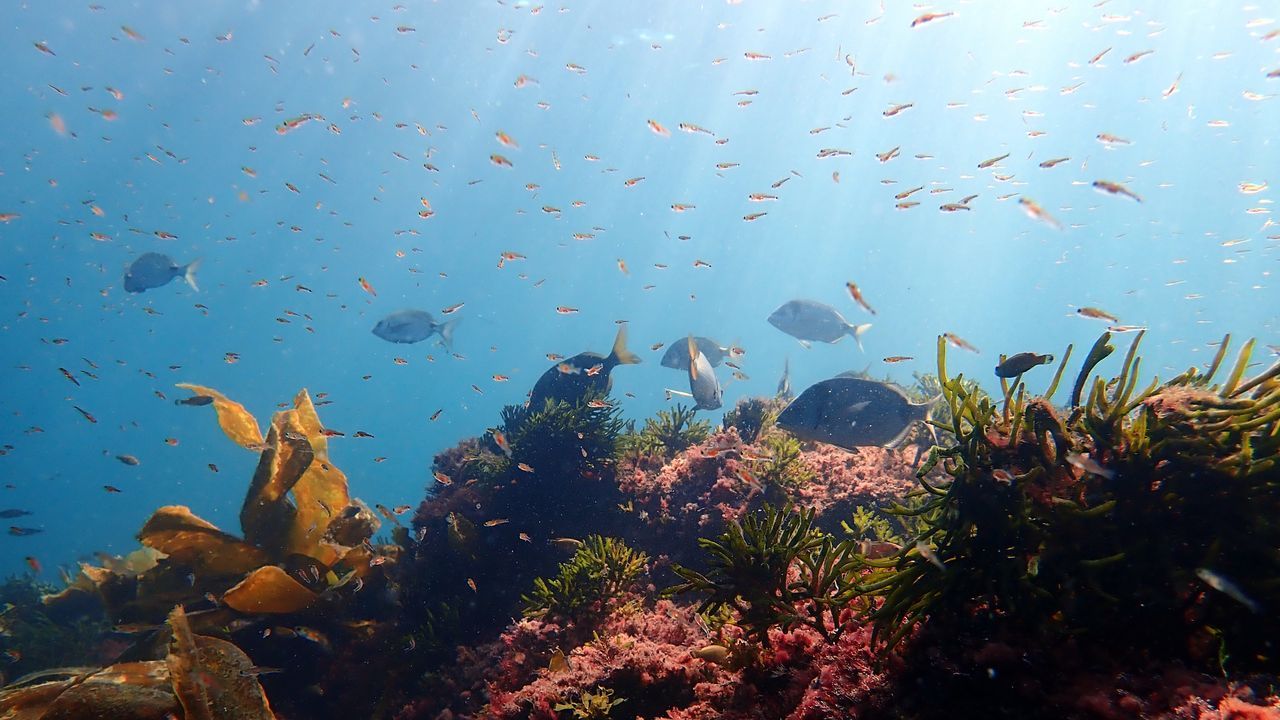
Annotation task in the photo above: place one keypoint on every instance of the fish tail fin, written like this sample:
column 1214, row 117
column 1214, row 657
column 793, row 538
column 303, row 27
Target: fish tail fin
column 693, row 359
column 446, row 332
column 621, row 355
column 189, row 273
column 856, row 331
column 929, row 405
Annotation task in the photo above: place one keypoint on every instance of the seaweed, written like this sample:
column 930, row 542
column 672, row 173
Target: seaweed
column 598, row 575
column 753, row 416
column 591, row 705
column 561, row 437
column 670, row 432
column 783, row 466
column 751, row 571
column 1132, row 518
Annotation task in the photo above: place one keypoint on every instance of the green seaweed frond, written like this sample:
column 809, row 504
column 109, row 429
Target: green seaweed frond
column 591, row 705
column 600, row 572
column 753, row 416
column 672, row 431
column 749, row 566
column 784, row 465
column 562, row 438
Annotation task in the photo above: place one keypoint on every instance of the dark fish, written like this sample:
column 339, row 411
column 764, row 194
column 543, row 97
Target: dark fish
column 853, row 412
column 13, row 513
column 153, row 270
column 677, row 355
column 24, row 531
column 411, row 326
column 194, row 400
column 583, row 374
column 1015, row 365
column 812, row 320
column 707, row 393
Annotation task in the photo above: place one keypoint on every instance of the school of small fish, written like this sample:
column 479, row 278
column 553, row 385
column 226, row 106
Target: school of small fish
column 443, row 205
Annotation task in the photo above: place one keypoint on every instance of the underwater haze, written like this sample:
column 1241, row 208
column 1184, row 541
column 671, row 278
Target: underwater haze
column 545, row 172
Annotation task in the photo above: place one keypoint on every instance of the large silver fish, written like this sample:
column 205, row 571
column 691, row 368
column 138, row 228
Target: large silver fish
column 411, row 326
column 153, row 270
column 677, row 355
column 583, row 374
column 707, row 393
column 812, row 320
column 853, row 412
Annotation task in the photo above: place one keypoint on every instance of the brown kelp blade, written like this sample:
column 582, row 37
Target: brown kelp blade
column 187, row 539
column 139, row 691
column 320, row 494
column 213, row 679
column 267, row 516
column 236, row 422
column 269, row 590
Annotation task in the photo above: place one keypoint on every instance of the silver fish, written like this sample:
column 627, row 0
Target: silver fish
column 411, row 326
column 812, row 320
column 853, row 412
column 153, row 270
column 707, row 394
column 1228, row 588
column 784, row 383
column 677, row 357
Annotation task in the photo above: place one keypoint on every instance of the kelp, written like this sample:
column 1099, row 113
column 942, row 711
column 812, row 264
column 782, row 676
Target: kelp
column 298, row 522
column 200, row 678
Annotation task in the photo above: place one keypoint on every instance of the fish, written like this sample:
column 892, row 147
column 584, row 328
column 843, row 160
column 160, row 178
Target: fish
column 1096, row 314
column 1015, row 365
column 677, row 355
column 852, row 412
column 1083, row 462
column 13, row 513
column 856, row 294
column 706, row 390
column 992, row 161
column 1115, row 188
column 411, row 326
column 194, row 400
column 24, row 531
column 1228, row 588
column 784, row 382
column 152, row 270
column 571, row 387
column 812, row 320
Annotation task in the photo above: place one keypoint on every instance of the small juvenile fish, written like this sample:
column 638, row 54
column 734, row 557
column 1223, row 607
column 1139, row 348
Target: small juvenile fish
column 1228, row 588
column 992, row 161
column 856, row 294
column 1115, row 188
column 194, row 400
column 1083, row 462
column 897, row 359
column 960, row 342
column 1096, row 314
column 24, row 531
column 1054, row 161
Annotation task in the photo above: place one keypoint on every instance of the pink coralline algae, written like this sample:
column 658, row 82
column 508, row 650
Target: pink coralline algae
column 718, row 481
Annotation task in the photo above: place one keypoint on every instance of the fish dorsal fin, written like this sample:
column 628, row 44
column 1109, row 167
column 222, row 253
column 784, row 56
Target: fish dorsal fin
column 693, row 359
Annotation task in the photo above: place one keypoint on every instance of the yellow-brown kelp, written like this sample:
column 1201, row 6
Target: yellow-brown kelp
column 1132, row 518
column 203, row 678
column 303, row 533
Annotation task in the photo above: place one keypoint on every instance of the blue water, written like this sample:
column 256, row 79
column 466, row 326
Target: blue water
column 1004, row 282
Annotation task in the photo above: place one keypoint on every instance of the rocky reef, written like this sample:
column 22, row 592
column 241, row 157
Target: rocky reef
column 1111, row 557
